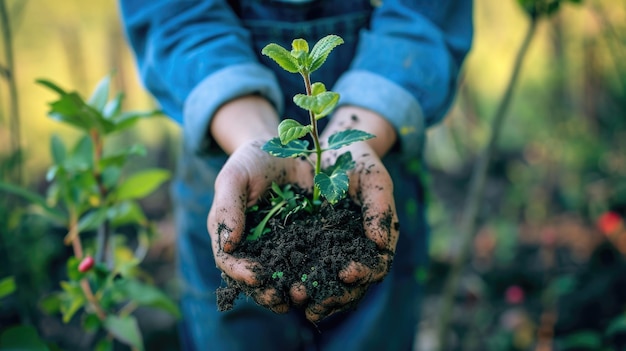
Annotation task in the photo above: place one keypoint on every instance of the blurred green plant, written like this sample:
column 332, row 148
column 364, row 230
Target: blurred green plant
column 536, row 9
column 88, row 192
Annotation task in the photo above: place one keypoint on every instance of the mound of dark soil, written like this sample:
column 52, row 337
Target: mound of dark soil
column 307, row 248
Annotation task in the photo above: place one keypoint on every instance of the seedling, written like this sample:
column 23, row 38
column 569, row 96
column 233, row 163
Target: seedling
column 331, row 183
column 284, row 202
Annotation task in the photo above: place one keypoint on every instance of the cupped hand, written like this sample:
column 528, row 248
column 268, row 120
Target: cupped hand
column 371, row 187
column 245, row 177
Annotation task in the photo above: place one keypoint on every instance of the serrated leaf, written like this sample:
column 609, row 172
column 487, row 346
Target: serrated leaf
column 295, row 148
column 57, row 148
column 322, row 49
column 343, row 163
column 141, row 184
column 289, row 130
column 124, row 329
column 7, row 286
column 300, row 45
column 321, row 104
column 333, row 187
column 347, row 137
column 282, row 57
column 100, row 95
column 147, row 295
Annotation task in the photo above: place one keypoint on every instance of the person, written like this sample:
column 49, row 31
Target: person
column 396, row 75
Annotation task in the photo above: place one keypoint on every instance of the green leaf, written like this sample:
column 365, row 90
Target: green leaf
column 104, row 345
column 51, row 304
column 299, row 45
column 72, row 269
column 300, row 51
column 584, row 339
column 57, row 148
column 7, row 286
column 333, row 187
column 141, row 184
column 113, row 107
column 93, row 219
column 127, row 212
column 126, row 120
column 321, row 104
column 124, row 329
column 119, row 158
column 71, row 300
column 91, row 322
column 81, row 157
column 295, row 148
column 616, row 326
column 35, row 199
column 347, row 137
column 100, row 95
column 322, row 49
column 147, row 295
column 282, row 57
column 48, row 84
column 317, row 88
column 22, row 338
column 289, row 130
column 343, row 164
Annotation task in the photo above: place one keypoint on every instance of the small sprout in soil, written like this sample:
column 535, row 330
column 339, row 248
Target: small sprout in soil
column 304, row 277
column 284, row 203
column 277, row 275
column 315, row 284
column 330, row 183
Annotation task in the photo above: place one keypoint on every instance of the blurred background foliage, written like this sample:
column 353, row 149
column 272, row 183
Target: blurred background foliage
column 544, row 256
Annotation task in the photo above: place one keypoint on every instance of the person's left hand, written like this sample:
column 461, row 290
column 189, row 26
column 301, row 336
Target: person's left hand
column 372, row 188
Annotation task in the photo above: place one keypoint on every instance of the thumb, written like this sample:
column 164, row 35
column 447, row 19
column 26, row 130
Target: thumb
column 227, row 216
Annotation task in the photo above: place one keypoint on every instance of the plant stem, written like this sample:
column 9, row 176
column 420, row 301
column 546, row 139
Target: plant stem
column 9, row 73
column 467, row 226
column 84, row 283
column 103, row 234
column 316, row 139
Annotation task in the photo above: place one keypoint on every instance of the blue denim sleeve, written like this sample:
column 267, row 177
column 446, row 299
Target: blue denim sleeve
column 407, row 64
column 193, row 56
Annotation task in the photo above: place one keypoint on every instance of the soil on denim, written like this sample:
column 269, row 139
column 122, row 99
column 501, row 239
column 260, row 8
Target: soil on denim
column 308, row 248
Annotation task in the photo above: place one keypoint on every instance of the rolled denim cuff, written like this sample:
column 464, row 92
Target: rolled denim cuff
column 374, row 92
column 217, row 89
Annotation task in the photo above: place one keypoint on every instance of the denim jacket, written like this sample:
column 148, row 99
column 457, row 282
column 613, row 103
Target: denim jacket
column 400, row 59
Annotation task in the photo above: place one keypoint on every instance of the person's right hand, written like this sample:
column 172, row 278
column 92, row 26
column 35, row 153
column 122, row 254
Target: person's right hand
column 245, row 177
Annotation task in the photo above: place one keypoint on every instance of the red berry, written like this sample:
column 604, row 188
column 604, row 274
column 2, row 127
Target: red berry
column 86, row 264
column 514, row 295
column 609, row 222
